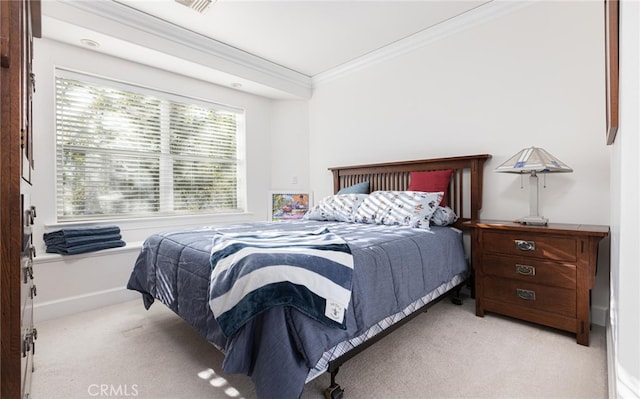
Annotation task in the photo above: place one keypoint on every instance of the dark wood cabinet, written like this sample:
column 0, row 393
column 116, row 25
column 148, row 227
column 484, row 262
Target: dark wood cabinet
column 19, row 24
column 542, row 274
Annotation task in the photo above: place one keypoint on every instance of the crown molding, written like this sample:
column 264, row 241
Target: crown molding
column 251, row 66
column 220, row 56
column 477, row 16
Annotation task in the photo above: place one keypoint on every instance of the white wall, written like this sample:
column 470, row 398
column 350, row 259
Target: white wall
column 73, row 283
column 290, row 145
column 625, row 217
column 531, row 77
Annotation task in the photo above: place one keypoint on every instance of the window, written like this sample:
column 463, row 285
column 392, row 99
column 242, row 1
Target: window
column 127, row 151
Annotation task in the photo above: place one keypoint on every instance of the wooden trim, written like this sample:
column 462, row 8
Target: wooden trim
column 568, row 229
column 612, row 18
column 10, row 214
column 36, row 18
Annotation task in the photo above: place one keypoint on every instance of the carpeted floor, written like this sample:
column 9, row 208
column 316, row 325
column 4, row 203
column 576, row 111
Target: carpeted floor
column 124, row 351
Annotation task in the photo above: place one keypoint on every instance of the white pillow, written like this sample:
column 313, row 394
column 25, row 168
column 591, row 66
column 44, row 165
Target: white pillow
column 443, row 216
column 407, row 208
column 339, row 207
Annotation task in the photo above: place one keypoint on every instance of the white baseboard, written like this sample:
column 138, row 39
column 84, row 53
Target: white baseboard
column 621, row 385
column 611, row 361
column 599, row 315
column 80, row 303
column 627, row 386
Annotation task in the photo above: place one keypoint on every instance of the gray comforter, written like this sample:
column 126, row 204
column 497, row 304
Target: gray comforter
column 393, row 266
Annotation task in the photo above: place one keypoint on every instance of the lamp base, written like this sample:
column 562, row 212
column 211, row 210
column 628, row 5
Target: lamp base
column 534, row 220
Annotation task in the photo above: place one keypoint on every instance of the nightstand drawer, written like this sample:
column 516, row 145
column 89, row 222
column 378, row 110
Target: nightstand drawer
column 549, row 299
column 530, row 245
column 530, row 270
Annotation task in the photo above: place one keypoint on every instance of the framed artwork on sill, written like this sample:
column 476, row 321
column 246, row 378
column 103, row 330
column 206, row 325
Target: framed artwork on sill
column 611, row 34
column 288, row 205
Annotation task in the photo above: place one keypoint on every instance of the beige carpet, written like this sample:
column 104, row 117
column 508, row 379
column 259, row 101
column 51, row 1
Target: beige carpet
column 123, row 351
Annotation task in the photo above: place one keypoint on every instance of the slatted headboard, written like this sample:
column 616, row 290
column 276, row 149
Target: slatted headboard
column 465, row 188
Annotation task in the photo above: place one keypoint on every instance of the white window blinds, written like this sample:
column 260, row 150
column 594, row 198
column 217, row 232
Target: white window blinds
column 126, row 151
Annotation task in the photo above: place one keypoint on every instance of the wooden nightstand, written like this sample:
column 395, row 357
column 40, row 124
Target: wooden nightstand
column 541, row 274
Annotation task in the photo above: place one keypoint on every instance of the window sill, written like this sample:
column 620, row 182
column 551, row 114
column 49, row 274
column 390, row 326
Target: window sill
column 135, row 231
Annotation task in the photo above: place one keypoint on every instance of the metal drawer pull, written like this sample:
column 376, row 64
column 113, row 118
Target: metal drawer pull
column 525, row 270
column 31, row 215
column 525, row 245
column 26, row 346
column 526, row 294
column 27, row 271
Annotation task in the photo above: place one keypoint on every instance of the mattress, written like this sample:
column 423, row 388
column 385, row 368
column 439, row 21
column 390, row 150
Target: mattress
column 396, row 270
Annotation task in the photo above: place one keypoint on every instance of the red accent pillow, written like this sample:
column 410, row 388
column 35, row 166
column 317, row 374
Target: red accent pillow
column 431, row 182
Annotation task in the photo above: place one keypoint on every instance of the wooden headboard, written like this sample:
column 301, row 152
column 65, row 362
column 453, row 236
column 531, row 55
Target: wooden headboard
column 465, row 189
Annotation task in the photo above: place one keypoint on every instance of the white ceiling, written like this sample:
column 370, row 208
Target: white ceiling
column 272, row 48
column 309, row 37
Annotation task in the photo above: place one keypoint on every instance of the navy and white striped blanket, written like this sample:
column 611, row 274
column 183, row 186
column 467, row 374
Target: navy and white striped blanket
column 309, row 270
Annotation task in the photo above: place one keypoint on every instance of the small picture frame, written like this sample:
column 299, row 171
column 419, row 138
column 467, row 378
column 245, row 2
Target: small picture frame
column 288, row 205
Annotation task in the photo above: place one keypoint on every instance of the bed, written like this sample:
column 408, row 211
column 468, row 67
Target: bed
column 394, row 273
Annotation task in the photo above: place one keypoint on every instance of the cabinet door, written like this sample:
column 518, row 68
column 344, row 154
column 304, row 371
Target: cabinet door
column 17, row 18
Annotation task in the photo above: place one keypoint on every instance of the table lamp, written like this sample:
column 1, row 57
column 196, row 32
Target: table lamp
column 533, row 160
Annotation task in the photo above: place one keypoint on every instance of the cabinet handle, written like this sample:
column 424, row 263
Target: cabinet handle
column 26, row 346
column 527, row 295
column 525, row 245
column 28, row 343
column 525, row 270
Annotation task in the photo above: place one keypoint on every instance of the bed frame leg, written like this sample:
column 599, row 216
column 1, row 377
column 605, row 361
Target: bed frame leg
column 456, row 297
column 334, row 391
